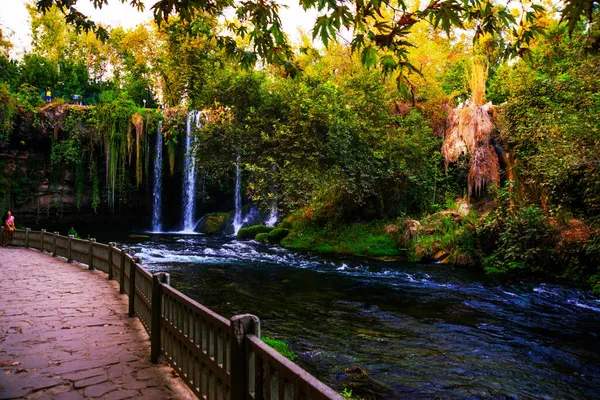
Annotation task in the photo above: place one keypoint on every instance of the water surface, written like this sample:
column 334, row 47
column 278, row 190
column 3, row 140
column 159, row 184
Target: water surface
column 420, row 331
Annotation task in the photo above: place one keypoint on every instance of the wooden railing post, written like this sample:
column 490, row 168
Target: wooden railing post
column 155, row 340
column 124, row 251
column 91, row 254
column 69, row 255
column 132, row 286
column 2, row 236
column 54, row 244
column 111, row 246
column 27, row 237
column 42, row 240
column 241, row 326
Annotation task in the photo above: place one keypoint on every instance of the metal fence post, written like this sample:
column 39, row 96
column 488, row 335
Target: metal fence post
column 132, row 286
column 54, row 244
column 69, row 256
column 111, row 245
column 27, row 237
column 241, row 326
column 91, row 252
column 124, row 251
column 42, row 246
column 155, row 339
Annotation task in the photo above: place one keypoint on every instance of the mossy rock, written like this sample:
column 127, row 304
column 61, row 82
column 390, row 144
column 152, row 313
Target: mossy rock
column 596, row 290
column 214, row 224
column 251, row 231
column 278, row 234
column 262, row 237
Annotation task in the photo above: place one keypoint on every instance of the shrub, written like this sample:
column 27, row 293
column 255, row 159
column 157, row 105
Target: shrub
column 517, row 236
column 251, row 231
column 281, row 347
column 73, row 232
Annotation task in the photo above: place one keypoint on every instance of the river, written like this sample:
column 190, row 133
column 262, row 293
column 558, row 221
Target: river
column 419, row 331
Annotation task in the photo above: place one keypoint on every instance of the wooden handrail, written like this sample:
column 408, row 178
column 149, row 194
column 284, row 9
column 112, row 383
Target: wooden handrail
column 216, row 357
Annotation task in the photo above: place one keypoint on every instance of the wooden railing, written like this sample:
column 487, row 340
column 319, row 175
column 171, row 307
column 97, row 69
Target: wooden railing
column 218, row 358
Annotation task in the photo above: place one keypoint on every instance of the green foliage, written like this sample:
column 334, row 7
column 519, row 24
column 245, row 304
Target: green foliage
column 251, row 231
column 347, row 394
column 552, row 124
column 448, row 237
column 73, row 232
column 281, row 347
column 374, row 25
column 8, row 111
column 517, row 235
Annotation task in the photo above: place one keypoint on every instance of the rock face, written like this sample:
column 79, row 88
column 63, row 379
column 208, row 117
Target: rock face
column 37, row 197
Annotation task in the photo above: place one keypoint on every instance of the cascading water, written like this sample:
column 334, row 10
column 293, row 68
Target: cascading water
column 237, row 218
column 272, row 218
column 189, row 181
column 157, row 190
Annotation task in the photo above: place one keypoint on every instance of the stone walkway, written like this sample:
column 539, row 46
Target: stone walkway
column 65, row 334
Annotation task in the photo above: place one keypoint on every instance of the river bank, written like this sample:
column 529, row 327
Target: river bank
column 503, row 240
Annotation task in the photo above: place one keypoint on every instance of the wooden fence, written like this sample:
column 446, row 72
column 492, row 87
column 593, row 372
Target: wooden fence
column 218, row 358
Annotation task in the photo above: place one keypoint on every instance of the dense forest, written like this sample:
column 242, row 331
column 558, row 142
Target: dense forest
column 466, row 144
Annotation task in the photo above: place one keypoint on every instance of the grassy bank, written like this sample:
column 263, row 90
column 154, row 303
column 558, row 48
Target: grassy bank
column 359, row 239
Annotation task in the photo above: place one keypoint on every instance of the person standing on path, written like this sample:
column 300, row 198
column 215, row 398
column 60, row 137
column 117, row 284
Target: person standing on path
column 9, row 228
column 48, row 94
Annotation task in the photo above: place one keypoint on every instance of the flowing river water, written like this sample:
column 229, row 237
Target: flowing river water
column 419, row 331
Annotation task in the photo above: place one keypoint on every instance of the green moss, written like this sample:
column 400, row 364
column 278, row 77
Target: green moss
column 251, row 231
column 262, row 237
column 276, row 235
column 214, row 223
column 357, row 239
column 281, row 347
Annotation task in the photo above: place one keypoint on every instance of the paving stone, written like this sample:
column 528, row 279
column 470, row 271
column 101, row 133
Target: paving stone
column 69, row 396
column 99, row 390
column 69, row 329
column 84, row 374
column 90, row 381
column 121, row 394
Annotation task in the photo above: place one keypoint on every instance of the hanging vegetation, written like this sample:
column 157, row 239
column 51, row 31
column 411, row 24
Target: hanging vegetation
column 173, row 125
column 138, row 122
column 469, row 131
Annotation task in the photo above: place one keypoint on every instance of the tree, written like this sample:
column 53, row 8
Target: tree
column 375, row 24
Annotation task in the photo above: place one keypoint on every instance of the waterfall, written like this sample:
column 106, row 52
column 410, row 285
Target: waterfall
column 157, row 191
column 189, row 181
column 237, row 219
column 272, row 218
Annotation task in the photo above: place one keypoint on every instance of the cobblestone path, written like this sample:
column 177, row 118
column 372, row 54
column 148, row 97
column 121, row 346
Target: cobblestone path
column 65, row 334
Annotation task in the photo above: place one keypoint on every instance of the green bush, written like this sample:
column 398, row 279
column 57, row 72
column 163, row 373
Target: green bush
column 73, row 232
column 278, row 234
column 516, row 236
column 262, row 237
column 251, row 231
column 282, row 348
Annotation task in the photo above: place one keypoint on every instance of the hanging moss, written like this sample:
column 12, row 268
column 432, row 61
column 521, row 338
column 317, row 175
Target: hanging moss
column 173, row 126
